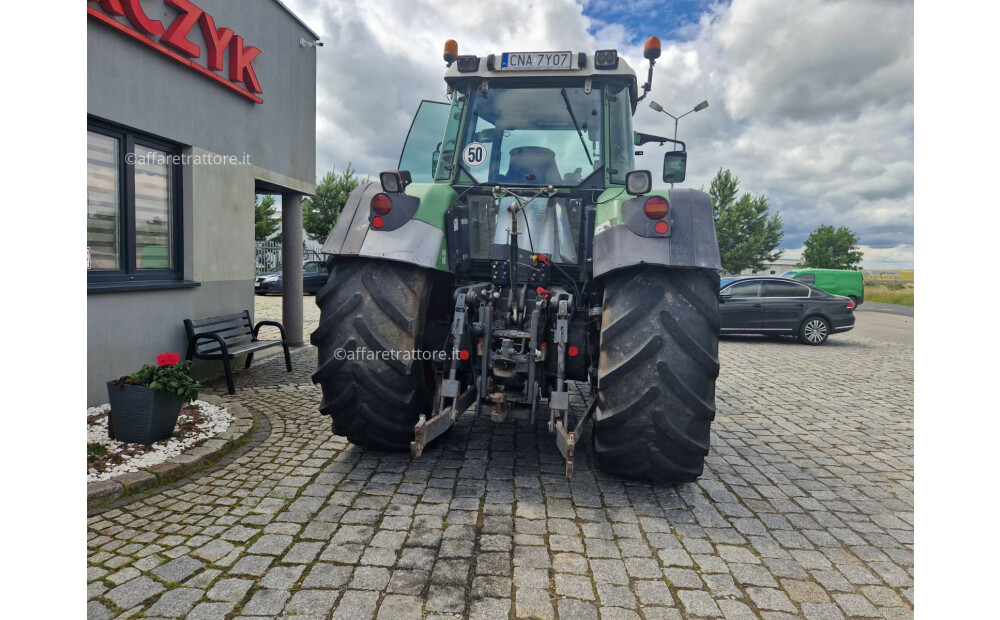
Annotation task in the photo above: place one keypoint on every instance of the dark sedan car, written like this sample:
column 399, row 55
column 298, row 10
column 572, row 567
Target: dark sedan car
column 314, row 276
column 779, row 306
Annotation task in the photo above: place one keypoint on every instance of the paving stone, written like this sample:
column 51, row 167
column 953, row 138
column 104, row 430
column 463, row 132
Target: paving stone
column 397, row 607
column 821, row 611
column 491, row 586
column 490, row 609
column 214, row 551
column 574, row 586
column 804, row 591
column 282, row 577
column 767, row 598
column 131, row 593
column 576, row 610
column 445, row 599
column 615, row 596
column 609, row 571
column 752, row 574
column 406, row 581
column 735, row 610
column 320, row 602
column 856, row 605
column 175, row 603
column 97, row 611
column 533, row 603
column 271, row 544
column 230, row 589
column 210, row 611
column 178, row 569
column 255, row 565
column 653, row 592
column 322, row 575
column 266, row 602
column 570, row 563
column 699, row 603
column 370, row 578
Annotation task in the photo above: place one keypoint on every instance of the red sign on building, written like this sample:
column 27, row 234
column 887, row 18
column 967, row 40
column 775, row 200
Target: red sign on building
column 171, row 39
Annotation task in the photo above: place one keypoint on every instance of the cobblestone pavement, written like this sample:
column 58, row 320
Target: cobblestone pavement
column 805, row 511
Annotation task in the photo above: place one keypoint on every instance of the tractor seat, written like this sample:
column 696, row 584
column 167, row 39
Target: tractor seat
column 533, row 160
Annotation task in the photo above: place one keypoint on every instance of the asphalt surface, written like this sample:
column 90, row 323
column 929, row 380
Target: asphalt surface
column 805, row 509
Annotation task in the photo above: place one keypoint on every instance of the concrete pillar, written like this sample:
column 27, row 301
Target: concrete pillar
column 291, row 267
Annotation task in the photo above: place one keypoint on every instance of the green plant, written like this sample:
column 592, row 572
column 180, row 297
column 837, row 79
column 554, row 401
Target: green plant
column 170, row 375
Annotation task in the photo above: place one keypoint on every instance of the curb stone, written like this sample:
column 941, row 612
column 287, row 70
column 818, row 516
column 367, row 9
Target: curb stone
column 107, row 491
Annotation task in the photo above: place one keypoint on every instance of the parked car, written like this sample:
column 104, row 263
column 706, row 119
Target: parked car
column 778, row 306
column 833, row 281
column 314, row 276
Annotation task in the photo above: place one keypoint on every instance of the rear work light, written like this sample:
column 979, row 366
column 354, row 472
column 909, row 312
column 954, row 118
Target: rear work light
column 381, row 204
column 468, row 64
column 656, row 208
column 606, row 59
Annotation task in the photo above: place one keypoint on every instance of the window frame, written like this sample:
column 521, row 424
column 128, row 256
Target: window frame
column 129, row 275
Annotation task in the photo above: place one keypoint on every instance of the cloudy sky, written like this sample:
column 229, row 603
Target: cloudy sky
column 810, row 102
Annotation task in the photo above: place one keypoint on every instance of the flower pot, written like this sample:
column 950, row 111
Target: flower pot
column 140, row 414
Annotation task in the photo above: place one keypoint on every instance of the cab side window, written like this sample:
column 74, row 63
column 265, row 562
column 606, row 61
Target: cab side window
column 809, row 278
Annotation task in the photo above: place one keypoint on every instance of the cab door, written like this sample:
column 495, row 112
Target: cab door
column 741, row 307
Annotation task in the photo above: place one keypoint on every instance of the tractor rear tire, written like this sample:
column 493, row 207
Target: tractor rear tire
column 367, row 307
column 658, row 363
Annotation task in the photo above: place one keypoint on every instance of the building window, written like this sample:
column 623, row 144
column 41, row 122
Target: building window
column 133, row 207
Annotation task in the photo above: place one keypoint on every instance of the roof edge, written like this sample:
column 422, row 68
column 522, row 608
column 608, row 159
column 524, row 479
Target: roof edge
column 297, row 18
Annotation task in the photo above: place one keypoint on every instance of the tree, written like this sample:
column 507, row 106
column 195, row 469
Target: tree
column 320, row 212
column 747, row 234
column 264, row 223
column 827, row 248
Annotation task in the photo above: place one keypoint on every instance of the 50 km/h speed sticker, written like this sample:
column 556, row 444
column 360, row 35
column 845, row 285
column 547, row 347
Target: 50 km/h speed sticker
column 474, row 155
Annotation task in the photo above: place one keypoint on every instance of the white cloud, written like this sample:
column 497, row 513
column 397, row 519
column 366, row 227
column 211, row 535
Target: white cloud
column 811, row 102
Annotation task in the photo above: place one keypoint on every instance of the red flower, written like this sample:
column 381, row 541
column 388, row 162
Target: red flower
column 167, row 359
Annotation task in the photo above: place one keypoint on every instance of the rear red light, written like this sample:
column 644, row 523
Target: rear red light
column 463, row 354
column 661, row 227
column 656, row 208
column 850, row 305
column 381, row 204
column 377, row 222
column 573, row 351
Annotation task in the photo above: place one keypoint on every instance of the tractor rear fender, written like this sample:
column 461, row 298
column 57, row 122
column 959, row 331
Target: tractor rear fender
column 410, row 234
column 623, row 240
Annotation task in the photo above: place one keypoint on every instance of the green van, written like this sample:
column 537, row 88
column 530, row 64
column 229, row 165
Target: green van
column 833, row 281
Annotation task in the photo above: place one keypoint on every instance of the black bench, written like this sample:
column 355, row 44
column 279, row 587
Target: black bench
column 229, row 336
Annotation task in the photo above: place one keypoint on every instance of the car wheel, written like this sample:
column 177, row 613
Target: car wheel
column 857, row 302
column 814, row 330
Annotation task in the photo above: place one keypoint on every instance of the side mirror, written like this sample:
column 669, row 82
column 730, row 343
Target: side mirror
column 724, row 296
column 674, row 166
column 638, row 182
column 434, row 159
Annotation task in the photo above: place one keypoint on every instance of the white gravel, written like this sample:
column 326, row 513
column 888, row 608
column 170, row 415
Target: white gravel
column 217, row 422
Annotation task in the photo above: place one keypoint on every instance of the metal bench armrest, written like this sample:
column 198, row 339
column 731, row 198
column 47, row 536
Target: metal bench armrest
column 223, row 349
column 260, row 324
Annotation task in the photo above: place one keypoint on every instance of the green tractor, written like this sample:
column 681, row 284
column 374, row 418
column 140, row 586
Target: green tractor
column 516, row 250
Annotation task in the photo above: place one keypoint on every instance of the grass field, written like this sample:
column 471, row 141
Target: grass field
column 886, row 295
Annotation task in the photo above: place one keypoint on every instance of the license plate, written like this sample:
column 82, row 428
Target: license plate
column 536, row 61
